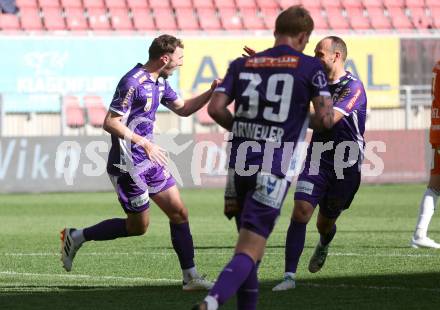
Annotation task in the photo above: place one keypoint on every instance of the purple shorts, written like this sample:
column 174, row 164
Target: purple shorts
column 260, row 198
column 134, row 192
column 332, row 194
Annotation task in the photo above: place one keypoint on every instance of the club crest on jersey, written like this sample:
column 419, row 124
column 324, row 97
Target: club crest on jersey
column 148, row 104
column 319, row 79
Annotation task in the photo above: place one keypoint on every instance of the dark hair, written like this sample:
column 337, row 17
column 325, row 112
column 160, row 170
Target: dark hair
column 338, row 45
column 293, row 21
column 162, row 45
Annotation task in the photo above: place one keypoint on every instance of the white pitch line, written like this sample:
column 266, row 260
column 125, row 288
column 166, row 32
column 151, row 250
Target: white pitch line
column 140, row 279
column 371, row 287
column 201, row 252
column 86, row 277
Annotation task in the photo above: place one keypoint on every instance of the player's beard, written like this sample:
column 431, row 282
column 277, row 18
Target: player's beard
column 164, row 75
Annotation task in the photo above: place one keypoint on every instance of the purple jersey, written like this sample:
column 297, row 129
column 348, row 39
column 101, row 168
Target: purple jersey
column 136, row 99
column 272, row 92
column 349, row 98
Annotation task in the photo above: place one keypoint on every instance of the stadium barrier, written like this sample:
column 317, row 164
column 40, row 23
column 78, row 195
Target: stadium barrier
column 53, row 164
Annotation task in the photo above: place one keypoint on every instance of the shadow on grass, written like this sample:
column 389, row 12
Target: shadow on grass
column 394, row 291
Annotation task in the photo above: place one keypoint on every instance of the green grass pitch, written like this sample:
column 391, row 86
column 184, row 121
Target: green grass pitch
column 370, row 265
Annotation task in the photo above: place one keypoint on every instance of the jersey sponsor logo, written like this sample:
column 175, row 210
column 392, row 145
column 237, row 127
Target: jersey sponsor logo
column 339, row 97
column 304, row 187
column 319, row 79
column 270, row 190
column 138, row 74
column 353, row 100
column 271, row 186
column 287, row 61
column 142, row 79
column 139, row 201
column 128, row 96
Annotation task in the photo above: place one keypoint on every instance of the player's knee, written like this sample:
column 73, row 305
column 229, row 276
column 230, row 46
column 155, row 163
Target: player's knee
column 324, row 229
column 180, row 215
column 302, row 214
column 137, row 229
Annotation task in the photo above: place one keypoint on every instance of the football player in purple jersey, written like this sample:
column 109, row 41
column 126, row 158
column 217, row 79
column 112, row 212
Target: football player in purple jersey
column 332, row 169
column 137, row 166
column 272, row 91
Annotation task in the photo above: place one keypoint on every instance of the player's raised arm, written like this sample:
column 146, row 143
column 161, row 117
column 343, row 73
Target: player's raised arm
column 323, row 118
column 188, row 107
column 218, row 110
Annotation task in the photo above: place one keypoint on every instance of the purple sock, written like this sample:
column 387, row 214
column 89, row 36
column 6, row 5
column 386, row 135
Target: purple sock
column 326, row 239
column 183, row 244
column 232, row 277
column 106, row 230
column 296, row 236
column 247, row 295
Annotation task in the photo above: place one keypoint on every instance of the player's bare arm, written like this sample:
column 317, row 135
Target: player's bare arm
column 324, row 116
column 217, row 109
column 113, row 125
column 188, row 107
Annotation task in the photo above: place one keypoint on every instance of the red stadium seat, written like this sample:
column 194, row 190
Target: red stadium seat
column 284, row 4
column 30, row 19
column 137, row 4
column 164, row 19
column 230, row 19
column 251, row 19
column 143, row 20
column 399, row 20
column 53, row 19
column 198, row 4
column 373, row 3
column 319, row 20
column 98, row 19
column 352, row 4
column 96, row 110
column 434, row 13
column 246, row 4
column 331, row 4
column 356, row 19
column 120, row 19
column 224, row 3
column 26, row 3
column 74, row 114
column 415, row 3
column 178, row 4
column 49, row 3
column 432, row 4
column 94, row 4
column 336, row 20
column 75, row 19
column 159, row 4
column 420, row 19
column 186, row 19
column 394, row 3
column 9, row 22
column 269, row 16
column 378, row 20
column 71, row 3
column 311, row 4
column 271, row 4
column 208, row 19
column 115, row 4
